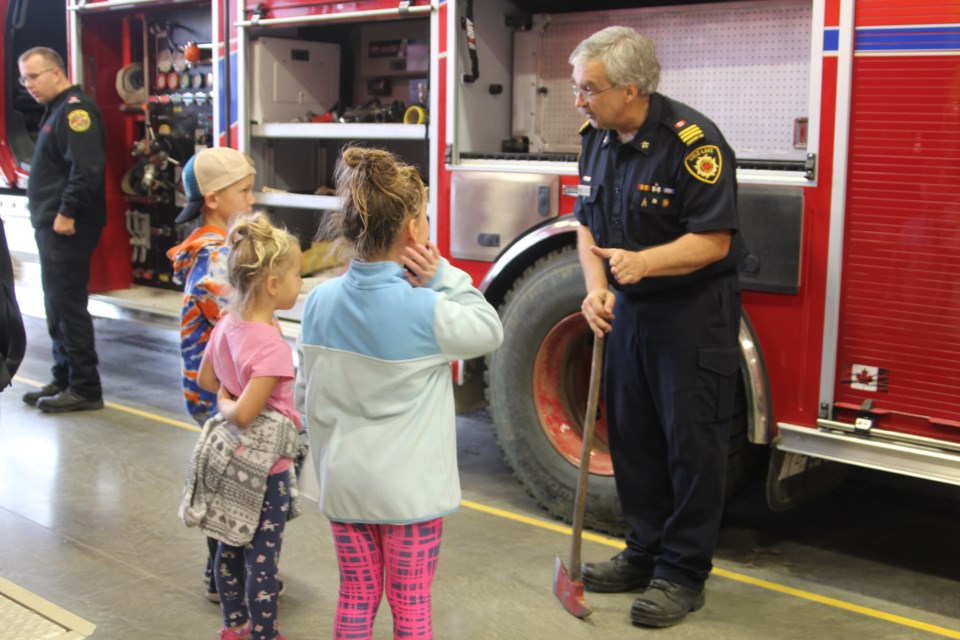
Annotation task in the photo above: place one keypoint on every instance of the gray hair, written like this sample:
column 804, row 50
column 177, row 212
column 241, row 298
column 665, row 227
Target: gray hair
column 627, row 56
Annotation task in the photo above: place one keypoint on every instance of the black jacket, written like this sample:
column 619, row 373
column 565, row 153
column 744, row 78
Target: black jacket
column 13, row 339
column 68, row 163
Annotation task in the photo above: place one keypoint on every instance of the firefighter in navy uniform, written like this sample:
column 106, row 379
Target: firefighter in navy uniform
column 657, row 208
column 68, row 210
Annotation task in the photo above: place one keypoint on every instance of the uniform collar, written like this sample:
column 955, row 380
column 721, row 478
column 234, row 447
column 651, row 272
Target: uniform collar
column 60, row 97
column 644, row 140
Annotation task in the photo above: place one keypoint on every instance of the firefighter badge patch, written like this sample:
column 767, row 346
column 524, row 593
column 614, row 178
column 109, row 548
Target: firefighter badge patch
column 704, row 163
column 79, row 120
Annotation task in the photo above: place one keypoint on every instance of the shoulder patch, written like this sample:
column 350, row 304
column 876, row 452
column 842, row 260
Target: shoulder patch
column 704, row 163
column 79, row 120
column 585, row 127
column 74, row 100
column 689, row 133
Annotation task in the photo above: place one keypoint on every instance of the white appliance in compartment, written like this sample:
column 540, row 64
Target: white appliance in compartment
column 292, row 77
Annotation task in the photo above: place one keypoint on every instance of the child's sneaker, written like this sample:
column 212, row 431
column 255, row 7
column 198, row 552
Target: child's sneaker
column 243, row 633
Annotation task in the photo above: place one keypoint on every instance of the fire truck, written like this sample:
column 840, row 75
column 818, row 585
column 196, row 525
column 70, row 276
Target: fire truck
column 844, row 115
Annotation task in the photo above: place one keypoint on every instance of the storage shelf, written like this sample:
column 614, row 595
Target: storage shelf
column 297, row 200
column 334, row 131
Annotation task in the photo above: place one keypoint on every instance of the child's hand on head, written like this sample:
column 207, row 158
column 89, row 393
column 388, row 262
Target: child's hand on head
column 421, row 262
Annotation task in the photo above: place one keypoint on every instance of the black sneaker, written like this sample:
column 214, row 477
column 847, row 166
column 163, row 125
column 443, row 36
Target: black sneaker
column 665, row 604
column 614, row 576
column 68, row 401
column 50, row 389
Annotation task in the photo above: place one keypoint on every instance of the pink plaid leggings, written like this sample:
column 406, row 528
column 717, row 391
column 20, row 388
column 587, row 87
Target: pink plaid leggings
column 407, row 555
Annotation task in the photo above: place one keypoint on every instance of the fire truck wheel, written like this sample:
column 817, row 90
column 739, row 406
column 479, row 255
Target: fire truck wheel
column 537, row 393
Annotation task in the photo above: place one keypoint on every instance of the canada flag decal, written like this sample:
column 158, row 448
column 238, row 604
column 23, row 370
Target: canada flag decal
column 866, row 378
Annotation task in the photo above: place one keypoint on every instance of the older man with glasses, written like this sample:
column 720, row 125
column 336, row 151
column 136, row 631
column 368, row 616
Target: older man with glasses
column 68, row 210
column 657, row 205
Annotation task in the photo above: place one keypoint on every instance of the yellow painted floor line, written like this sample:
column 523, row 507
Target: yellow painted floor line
column 618, row 544
column 839, row 604
column 125, row 409
column 726, row 573
column 153, row 416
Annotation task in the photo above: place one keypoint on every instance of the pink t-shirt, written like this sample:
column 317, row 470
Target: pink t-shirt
column 240, row 350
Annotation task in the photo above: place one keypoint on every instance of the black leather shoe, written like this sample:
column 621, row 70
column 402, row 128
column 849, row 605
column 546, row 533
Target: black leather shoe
column 68, row 401
column 665, row 604
column 51, row 389
column 614, row 576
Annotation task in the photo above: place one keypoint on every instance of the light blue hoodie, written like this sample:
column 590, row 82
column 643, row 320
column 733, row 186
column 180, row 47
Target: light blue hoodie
column 376, row 388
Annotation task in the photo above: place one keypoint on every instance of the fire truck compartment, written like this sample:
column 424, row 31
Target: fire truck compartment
column 745, row 65
column 489, row 209
column 771, row 221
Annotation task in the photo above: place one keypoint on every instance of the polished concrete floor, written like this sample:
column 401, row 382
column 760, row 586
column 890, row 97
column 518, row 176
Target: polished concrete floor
column 88, row 521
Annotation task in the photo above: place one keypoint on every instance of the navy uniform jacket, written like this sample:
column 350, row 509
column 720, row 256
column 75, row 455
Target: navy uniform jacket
column 677, row 175
column 67, row 172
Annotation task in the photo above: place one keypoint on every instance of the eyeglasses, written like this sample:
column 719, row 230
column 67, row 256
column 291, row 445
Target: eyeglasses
column 588, row 94
column 32, row 77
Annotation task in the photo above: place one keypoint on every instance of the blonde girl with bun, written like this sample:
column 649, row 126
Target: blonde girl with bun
column 249, row 365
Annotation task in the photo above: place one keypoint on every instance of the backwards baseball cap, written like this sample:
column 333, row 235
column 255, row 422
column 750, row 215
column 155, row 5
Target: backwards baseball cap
column 211, row 170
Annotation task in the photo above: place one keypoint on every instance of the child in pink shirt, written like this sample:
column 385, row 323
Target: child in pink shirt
column 249, row 366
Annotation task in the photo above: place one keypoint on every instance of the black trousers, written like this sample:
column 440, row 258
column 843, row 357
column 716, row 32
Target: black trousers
column 670, row 384
column 65, row 274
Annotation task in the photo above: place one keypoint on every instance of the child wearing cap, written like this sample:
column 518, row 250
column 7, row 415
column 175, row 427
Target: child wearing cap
column 218, row 185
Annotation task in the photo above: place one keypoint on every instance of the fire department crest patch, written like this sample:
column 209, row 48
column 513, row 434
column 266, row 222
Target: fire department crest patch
column 704, row 163
column 79, row 120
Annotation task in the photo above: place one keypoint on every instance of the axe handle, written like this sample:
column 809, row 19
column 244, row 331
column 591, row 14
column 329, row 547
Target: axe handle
column 589, row 424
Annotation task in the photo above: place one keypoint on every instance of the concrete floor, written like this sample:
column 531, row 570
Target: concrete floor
column 88, row 521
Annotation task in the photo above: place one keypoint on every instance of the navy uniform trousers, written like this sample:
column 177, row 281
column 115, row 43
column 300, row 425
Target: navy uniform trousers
column 670, row 384
column 65, row 275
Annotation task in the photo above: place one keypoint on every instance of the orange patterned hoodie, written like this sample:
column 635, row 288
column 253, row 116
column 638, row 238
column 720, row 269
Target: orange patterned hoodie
column 200, row 263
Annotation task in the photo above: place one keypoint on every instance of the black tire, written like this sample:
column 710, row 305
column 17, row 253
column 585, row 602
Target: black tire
column 548, row 293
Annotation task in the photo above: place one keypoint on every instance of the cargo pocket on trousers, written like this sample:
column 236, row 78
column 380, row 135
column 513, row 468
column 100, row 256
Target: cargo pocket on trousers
column 719, row 365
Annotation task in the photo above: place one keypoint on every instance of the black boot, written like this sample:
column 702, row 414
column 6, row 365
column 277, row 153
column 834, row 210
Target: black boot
column 68, row 401
column 665, row 603
column 614, row 576
column 50, row 389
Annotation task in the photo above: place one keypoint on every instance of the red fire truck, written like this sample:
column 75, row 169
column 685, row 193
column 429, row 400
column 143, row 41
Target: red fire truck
column 844, row 114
